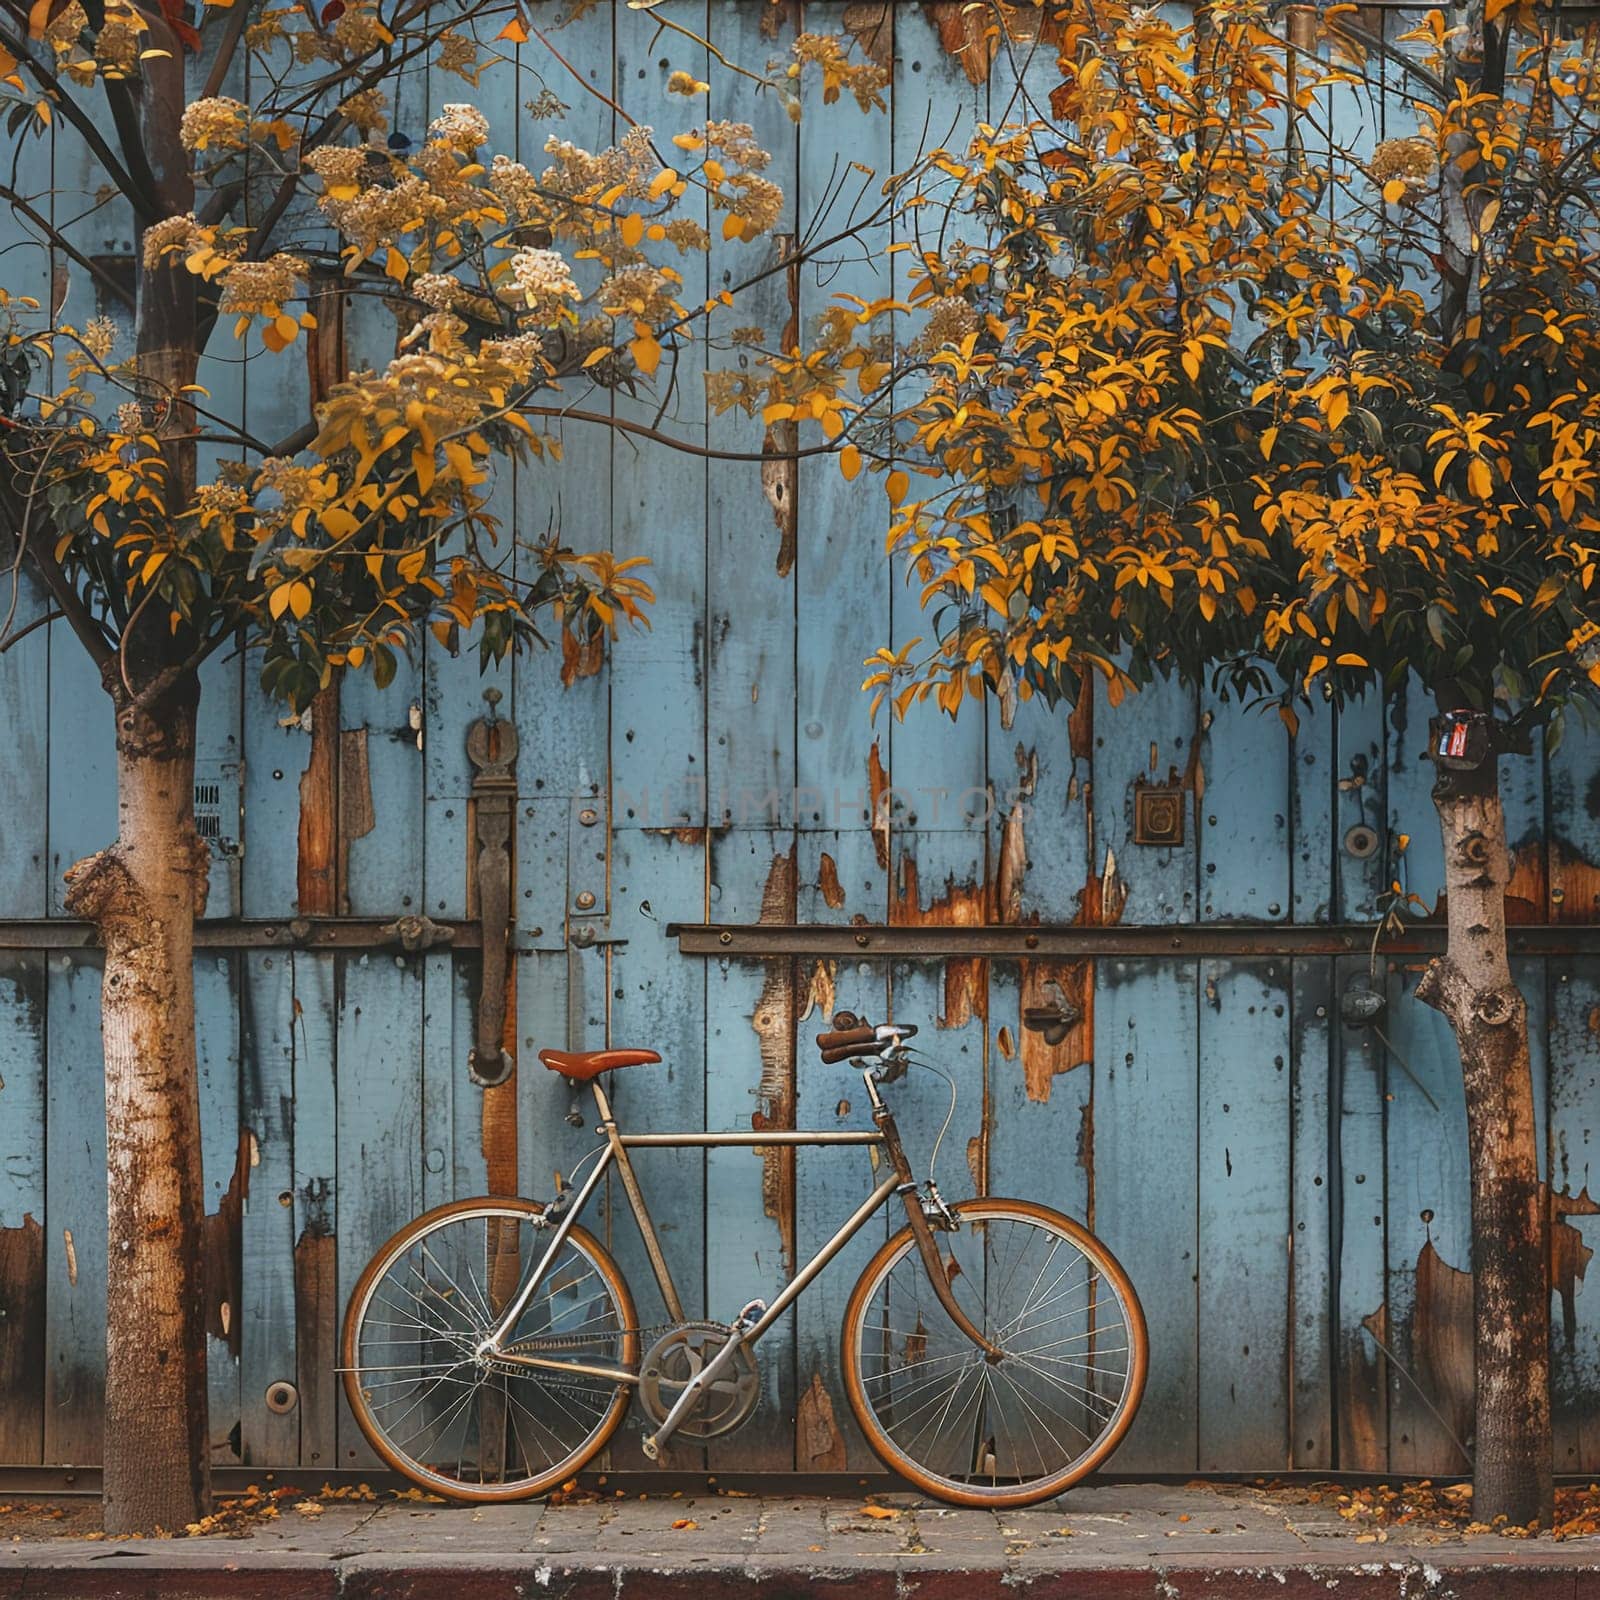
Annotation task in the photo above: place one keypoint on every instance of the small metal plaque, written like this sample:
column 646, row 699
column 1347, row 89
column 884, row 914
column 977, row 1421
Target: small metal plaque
column 1158, row 815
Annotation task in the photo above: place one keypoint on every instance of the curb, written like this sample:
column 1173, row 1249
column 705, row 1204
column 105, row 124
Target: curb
column 534, row 1578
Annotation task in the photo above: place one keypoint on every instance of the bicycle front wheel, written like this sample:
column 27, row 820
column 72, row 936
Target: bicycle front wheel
column 1006, row 1431
column 486, row 1431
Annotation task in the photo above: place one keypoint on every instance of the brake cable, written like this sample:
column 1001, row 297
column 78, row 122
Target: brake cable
column 914, row 1058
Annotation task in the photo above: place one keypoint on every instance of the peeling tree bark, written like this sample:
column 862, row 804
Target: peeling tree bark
column 1471, row 985
column 143, row 894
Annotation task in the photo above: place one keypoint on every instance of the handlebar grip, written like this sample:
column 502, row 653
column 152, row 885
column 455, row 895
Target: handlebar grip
column 843, row 1052
column 854, row 1038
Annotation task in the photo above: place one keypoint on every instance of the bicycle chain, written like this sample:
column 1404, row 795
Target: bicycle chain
column 577, row 1341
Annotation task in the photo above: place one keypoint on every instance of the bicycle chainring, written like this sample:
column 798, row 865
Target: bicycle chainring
column 677, row 1358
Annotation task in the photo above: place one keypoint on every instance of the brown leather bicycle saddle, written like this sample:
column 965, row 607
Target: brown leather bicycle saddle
column 582, row 1065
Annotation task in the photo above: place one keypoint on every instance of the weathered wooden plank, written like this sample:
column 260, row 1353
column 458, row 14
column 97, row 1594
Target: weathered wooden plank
column 1041, row 1124
column 75, row 1204
column 24, row 728
column 1148, row 740
column 22, row 1207
column 1409, row 786
column 1313, row 838
column 939, row 768
column 379, row 1125
column 1243, row 801
column 1574, row 822
column 269, row 1436
column 1145, row 1186
column 564, row 728
column 1574, row 1091
column 750, row 1083
column 1361, row 856
column 1355, row 1096
column 228, row 1155
column 380, row 794
column 440, row 1068
column 1429, row 1238
column 751, row 527
column 1245, row 1211
column 840, row 570
column 453, row 693
column 82, row 762
column 540, row 845
column 658, row 732
column 318, row 1304
column 277, row 753
column 1311, row 1353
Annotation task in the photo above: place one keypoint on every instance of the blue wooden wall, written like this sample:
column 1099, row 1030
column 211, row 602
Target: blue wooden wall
column 1289, row 1197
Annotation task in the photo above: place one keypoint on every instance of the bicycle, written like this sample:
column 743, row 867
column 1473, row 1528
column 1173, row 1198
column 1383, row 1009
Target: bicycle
column 994, row 1351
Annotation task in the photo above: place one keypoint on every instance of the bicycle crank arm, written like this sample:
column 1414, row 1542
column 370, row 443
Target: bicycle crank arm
column 654, row 1443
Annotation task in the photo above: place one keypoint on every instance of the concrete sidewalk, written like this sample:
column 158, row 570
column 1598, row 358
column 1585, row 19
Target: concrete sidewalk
column 1110, row 1542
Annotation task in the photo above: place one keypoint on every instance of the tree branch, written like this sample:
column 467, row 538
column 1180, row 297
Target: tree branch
column 238, row 16
column 56, row 241
column 677, row 444
column 125, row 119
column 75, row 114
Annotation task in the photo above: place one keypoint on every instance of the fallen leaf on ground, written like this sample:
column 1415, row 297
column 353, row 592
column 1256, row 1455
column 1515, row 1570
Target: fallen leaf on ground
column 882, row 1513
column 685, row 1522
column 310, row 1508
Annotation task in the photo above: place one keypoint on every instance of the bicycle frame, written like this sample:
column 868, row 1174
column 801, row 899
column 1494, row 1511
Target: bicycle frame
column 899, row 1180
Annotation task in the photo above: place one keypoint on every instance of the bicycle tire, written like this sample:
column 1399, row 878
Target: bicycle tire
column 958, row 1365
column 436, row 1324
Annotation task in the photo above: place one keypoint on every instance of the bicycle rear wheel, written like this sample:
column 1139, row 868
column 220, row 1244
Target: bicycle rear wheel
column 485, row 1431
column 996, row 1432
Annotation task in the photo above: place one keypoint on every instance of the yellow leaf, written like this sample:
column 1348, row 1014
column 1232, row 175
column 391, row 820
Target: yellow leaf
column 732, row 227
column 1479, row 478
column 299, row 598
column 595, row 357
column 632, row 229
column 395, row 265
column 410, row 565
column 1350, row 659
column 663, row 181
column 879, row 1513
column 1394, row 191
column 850, row 463
column 898, row 484
column 646, row 353
column 1268, row 439
column 516, row 30
column 339, row 522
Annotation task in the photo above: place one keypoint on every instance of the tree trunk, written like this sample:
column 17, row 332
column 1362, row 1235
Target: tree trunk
column 143, row 893
column 1471, row 985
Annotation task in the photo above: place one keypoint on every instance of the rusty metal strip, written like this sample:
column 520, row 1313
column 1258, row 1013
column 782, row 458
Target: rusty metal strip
column 997, row 942
column 264, row 933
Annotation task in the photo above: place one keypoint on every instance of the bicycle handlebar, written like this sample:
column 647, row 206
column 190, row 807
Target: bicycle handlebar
column 855, row 1036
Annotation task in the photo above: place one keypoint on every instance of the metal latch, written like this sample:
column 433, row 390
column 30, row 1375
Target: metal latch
column 492, row 749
